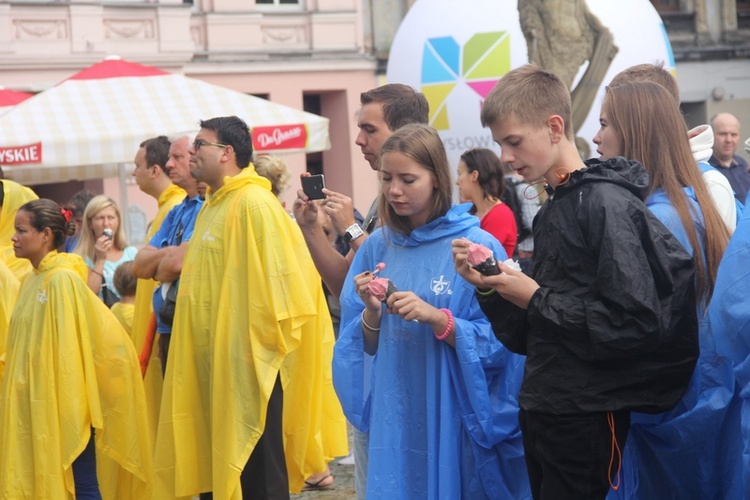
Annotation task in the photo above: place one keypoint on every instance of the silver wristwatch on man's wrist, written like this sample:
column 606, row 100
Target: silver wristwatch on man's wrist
column 353, row 232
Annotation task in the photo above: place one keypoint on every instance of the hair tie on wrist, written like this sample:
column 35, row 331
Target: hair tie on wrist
column 448, row 327
column 368, row 327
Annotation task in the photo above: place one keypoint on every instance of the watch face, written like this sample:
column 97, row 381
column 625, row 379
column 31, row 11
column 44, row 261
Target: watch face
column 353, row 233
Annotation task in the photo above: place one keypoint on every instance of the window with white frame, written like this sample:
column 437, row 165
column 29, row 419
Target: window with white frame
column 263, row 3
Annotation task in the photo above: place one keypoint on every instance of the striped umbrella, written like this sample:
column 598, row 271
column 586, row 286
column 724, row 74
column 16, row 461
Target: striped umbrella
column 9, row 98
column 88, row 124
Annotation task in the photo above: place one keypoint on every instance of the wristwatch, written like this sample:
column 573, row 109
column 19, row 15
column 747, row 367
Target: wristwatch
column 353, row 232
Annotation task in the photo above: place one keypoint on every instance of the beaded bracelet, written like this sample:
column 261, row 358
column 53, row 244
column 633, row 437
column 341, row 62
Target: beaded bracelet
column 368, row 327
column 448, row 327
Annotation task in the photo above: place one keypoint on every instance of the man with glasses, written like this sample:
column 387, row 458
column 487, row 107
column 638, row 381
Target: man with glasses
column 248, row 292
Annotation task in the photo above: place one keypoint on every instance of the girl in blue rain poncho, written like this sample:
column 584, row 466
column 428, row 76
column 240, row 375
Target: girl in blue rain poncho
column 729, row 315
column 693, row 450
column 440, row 399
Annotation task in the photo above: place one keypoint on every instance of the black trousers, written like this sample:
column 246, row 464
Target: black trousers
column 573, row 456
column 265, row 476
column 163, row 343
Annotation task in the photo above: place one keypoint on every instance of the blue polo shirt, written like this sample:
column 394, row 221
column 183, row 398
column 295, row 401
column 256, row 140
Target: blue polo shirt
column 176, row 229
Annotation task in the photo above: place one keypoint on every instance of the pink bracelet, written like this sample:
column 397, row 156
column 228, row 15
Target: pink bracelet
column 448, row 327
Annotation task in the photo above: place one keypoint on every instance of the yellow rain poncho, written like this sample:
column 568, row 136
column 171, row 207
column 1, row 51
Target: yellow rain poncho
column 248, row 295
column 69, row 367
column 15, row 195
column 144, row 293
column 124, row 314
column 8, row 294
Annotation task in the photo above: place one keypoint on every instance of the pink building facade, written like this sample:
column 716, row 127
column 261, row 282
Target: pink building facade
column 306, row 54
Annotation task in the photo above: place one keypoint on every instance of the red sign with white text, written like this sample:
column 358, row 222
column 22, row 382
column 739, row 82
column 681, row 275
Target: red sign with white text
column 20, row 155
column 279, row 137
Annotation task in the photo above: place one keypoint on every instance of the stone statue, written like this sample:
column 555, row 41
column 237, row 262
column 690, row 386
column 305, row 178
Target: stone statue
column 561, row 36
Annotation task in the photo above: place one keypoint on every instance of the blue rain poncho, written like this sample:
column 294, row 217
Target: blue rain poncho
column 693, row 450
column 442, row 421
column 729, row 317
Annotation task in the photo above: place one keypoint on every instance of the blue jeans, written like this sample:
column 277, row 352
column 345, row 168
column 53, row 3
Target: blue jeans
column 84, row 473
column 360, row 442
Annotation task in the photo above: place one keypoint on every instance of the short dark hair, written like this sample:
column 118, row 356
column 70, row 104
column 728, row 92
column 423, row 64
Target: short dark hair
column 124, row 280
column 46, row 213
column 232, row 131
column 401, row 104
column 490, row 169
column 77, row 203
column 157, row 152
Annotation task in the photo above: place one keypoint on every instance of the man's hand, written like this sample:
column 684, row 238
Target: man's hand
column 340, row 209
column 305, row 210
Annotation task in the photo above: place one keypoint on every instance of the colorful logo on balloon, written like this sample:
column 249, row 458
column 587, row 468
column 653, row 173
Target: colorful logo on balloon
column 445, row 64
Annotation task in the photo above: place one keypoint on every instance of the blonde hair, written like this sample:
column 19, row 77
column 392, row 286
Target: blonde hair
column 531, row 95
column 86, row 241
column 275, row 170
column 648, row 73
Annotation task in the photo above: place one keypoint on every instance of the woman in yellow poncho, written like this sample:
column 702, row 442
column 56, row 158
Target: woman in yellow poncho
column 13, row 196
column 70, row 370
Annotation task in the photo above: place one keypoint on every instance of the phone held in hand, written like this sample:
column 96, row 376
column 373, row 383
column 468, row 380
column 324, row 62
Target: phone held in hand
column 313, row 186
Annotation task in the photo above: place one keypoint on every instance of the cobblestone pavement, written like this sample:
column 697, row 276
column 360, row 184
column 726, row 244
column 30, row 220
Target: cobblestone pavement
column 343, row 479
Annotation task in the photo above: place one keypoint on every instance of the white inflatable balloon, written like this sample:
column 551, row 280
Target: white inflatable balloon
column 455, row 52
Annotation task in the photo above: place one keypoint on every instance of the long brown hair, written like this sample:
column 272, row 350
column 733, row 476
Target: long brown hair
column 653, row 132
column 422, row 144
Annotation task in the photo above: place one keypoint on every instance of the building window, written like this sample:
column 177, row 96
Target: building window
column 277, row 2
column 666, row 5
column 743, row 6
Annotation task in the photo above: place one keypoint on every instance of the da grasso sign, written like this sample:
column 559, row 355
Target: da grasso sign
column 280, row 137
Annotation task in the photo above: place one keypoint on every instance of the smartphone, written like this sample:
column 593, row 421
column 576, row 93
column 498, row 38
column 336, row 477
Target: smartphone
column 313, row 186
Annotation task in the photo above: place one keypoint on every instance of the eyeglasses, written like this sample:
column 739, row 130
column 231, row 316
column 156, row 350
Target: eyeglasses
column 198, row 143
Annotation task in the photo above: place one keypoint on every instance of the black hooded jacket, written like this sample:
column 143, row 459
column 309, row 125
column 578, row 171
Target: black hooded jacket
column 613, row 325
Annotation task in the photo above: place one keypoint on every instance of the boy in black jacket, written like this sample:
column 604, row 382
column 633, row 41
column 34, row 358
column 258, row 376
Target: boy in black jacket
column 607, row 319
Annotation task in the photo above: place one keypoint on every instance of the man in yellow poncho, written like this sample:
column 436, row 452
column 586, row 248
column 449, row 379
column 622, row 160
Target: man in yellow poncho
column 9, row 286
column 152, row 177
column 70, row 370
column 12, row 196
column 246, row 298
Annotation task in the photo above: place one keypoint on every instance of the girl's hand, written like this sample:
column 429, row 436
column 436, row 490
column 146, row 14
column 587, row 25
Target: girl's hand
column 411, row 308
column 361, row 282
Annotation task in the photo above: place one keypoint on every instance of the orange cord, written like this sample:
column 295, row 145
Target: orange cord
column 615, row 447
column 562, row 174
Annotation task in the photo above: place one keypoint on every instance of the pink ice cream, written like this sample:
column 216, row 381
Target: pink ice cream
column 379, row 267
column 381, row 288
column 478, row 253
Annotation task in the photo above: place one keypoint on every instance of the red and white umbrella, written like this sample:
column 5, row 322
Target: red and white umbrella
column 88, row 124
column 10, row 98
